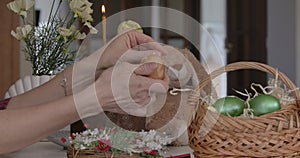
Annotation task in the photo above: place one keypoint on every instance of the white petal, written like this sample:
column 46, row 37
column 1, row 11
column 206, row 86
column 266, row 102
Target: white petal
column 14, row 34
column 14, row 6
column 27, row 4
column 129, row 25
column 93, row 30
column 20, row 7
column 80, row 35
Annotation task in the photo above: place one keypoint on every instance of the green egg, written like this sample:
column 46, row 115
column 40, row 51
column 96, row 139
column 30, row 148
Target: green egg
column 230, row 106
column 264, row 104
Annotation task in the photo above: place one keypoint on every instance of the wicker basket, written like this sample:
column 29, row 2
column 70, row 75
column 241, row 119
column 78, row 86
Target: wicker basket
column 73, row 153
column 275, row 134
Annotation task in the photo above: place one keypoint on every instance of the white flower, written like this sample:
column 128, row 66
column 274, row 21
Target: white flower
column 65, row 32
column 144, row 140
column 129, row 25
column 92, row 29
column 20, row 7
column 86, row 133
column 86, row 16
column 95, row 132
column 88, row 141
column 82, row 147
column 21, row 32
column 82, row 9
column 153, row 145
column 79, row 35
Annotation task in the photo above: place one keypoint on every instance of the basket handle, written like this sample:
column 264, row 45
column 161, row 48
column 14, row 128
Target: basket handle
column 245, row 65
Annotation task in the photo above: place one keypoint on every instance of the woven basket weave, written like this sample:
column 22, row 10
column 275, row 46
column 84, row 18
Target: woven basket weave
column 275, row 134
column 72, row 153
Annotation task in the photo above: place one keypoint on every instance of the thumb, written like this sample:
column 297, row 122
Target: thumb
column 146, row 68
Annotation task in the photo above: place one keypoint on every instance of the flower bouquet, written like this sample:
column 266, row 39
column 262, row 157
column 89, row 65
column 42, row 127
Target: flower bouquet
column 47, row 45
column 116, row 142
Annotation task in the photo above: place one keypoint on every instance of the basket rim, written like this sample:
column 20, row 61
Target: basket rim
column 195, row 95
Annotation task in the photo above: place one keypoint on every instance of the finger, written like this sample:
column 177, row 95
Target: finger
column 153, row 85
column 140, row 96
column 139, row 112
column 146, row 68
column 135, row 56
column 141, row 102
column 132, row 108
column 153, row 46
column 166, row 79
column 116, row 110
column 156, row 103
column 159, row 87
column 137, row 38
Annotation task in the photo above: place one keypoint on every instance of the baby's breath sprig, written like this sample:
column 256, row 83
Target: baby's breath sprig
column 117, row 140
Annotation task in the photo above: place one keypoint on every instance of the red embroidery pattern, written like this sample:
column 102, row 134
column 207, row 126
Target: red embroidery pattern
column 3, row 103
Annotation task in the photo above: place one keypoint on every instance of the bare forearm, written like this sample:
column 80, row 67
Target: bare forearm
column 51, row 90
column 24, row 126
column 60, row 86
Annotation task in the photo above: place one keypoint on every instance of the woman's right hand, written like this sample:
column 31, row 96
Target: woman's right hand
column 124, row 88
column 129, row 90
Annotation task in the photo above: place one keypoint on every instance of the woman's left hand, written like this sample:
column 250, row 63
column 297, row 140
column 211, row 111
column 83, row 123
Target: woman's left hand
column 87, row 70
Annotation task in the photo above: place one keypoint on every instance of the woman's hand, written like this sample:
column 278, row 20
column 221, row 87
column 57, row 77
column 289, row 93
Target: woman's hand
column 130, row 90
column 87, row 70
column 121, row 44
column 123, row 88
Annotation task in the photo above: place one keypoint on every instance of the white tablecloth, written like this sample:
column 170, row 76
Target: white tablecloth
column 51, row 150
column 39, row 150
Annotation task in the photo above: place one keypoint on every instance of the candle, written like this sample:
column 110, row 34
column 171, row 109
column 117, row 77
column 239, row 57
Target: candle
column 155, row 20
column 103, row 24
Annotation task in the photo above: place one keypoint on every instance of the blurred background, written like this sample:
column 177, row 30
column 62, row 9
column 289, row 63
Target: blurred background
column 253, row 30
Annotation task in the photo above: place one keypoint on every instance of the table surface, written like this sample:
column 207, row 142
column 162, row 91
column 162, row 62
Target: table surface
column 51, row 150
column 39, row 150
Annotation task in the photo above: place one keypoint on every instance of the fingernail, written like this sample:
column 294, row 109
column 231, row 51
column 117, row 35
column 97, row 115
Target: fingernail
column 158, row 88
column 153, row 65
column 156, row 53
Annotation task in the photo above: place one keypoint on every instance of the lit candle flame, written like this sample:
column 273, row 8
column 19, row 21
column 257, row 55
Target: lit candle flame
column 103, row 24
column 103, row 9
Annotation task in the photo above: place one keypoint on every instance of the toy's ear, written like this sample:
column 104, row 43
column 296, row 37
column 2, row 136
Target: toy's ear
column 199, row 71
column 176, row 114
column 179, row 68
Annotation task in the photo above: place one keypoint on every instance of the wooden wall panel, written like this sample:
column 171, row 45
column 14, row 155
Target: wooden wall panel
column 9, row 49
column 246, row 41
